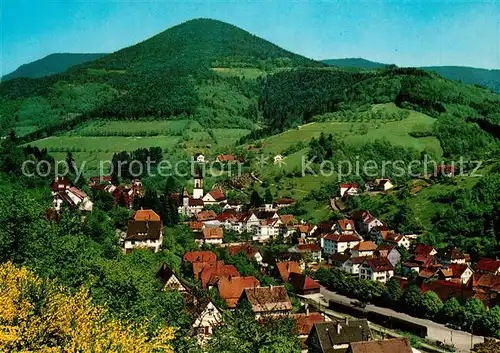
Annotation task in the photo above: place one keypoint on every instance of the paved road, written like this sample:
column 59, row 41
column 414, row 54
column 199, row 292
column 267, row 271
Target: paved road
column 436, row 332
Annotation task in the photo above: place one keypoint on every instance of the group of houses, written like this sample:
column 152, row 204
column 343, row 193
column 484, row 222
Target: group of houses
column 65, row 194
column 377, row 185
column 449, row 273
column 228, row 158
column 317, row 332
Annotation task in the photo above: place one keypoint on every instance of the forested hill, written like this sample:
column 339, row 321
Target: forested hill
column 201, row 43
column 51, row 64
column 175, row 73
column 470, row 75
column 358, row 63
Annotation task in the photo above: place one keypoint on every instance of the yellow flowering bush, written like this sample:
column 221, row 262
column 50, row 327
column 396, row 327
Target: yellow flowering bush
column 38, row 316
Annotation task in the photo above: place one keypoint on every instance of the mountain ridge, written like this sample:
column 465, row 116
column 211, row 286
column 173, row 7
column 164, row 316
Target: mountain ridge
column 51, row 64
column 489, row 78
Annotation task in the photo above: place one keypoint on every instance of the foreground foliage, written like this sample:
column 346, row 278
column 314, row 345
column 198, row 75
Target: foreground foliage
column 38, row 315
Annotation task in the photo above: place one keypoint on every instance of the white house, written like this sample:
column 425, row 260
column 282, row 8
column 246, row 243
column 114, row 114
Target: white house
column 456, row 272
column 365, row 222
column 376, row 269
column 143, row 234
column 338, row 243
column 63, row 192
column 352, row 265
column 348, row 190
column 267, row 229
column 364, row 248
column 210, row 235
column 206, row 321
column 380, row 185
column 214, row 197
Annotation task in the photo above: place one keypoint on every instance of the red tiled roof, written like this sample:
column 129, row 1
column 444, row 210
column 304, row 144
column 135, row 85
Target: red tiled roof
column 487, row 280
column 306, row 322
column 206, row 215
column 213, row 233
column 454, row 270
column 230, row 289
column 395, row 345
column 226, row 157
column 343, row 223
column 287, row 219
column 303, row 282
column 146, row 215
column 380, row 264
column 447, row 289
column 218, row 195
column 196, row 226
column 246, row 249
column 268, row 299
column 427, row 273
column 199, row 256
column 488, row 265
column 349, row 185
column 423, row 249
column 365, row 246
column 198, row 267
column 286, row 268
column 228, row 215
column 96, row 179
column 211, row 274
column 305, row 228
column 308, row 247
column 285, row 200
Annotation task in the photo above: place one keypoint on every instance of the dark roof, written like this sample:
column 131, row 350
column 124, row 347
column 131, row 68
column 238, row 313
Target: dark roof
column 339, row 257
column 450, row 253
column 339, row 332
column 141, row 230
column 380, row 264
column 165, row 273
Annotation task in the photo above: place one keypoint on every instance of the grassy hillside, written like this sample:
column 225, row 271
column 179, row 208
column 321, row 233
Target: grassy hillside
column 470, row 75
column 50, row 65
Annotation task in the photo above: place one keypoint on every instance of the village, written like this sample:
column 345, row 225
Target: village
column 358, row 245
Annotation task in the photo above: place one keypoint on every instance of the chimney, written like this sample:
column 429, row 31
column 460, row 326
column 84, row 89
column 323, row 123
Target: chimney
column 307, row 309
column 339, row 327
column 346, row 319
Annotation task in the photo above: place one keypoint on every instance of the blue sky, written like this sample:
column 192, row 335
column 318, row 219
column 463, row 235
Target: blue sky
column 407, row 33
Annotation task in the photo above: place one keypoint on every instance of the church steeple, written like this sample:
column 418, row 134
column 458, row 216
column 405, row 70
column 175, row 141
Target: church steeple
column 198, row 184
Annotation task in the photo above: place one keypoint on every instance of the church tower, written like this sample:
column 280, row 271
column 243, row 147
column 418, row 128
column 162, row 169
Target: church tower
column 198, row 185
